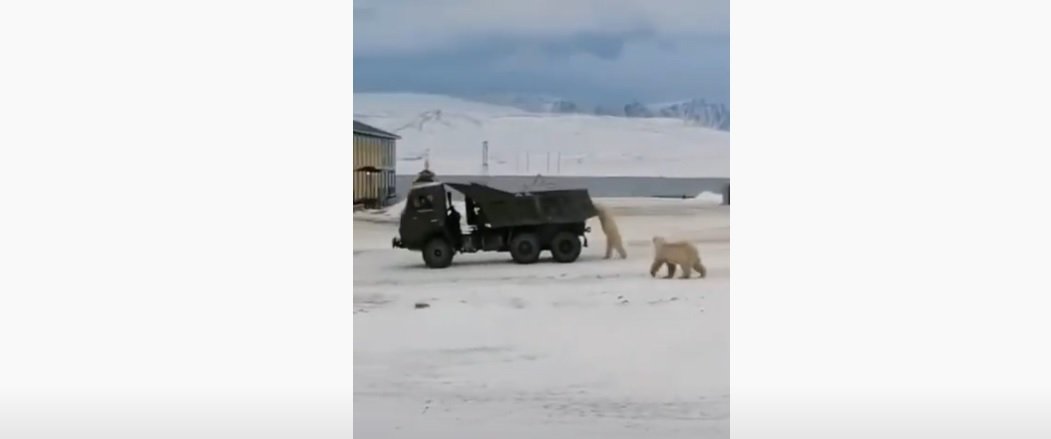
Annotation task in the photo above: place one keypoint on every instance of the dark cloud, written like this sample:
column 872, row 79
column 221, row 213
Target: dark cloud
column 606, row 46
column 639, row 60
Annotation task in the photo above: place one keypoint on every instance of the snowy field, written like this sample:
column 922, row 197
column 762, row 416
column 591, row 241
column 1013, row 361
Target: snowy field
column 528, row 143
column 592, row 349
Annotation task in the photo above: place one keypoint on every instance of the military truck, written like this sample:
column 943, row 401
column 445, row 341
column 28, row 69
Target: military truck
column 522, row 223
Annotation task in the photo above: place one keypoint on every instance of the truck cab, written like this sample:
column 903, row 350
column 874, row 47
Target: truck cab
column 423, row 216
column 429, row 213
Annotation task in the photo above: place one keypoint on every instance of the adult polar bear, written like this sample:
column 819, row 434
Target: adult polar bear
column 681, row 253
column 612, row 232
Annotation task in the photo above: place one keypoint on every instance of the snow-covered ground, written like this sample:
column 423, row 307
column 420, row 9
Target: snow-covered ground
column 528, row 143
column 592, row 349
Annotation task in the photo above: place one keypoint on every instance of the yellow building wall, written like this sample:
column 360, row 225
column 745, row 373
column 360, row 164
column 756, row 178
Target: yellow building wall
column 377, row 153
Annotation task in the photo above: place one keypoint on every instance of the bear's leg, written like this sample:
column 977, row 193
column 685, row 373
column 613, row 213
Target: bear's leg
column 700, row 269
column 685, row 272
column 671, row 270
column 655, row 267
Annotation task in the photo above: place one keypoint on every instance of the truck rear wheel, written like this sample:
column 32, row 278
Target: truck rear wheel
column 565, row 247
column 525, row 248
column 438, row 253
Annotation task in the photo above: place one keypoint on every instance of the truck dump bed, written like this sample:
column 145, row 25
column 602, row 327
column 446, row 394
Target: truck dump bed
column 507, row 209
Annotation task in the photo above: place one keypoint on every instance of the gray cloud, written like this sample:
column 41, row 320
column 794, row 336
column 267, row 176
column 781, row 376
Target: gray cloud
column 604, row 51
column 424, row 25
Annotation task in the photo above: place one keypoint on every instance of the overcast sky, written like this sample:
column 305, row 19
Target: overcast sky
column 596, row 51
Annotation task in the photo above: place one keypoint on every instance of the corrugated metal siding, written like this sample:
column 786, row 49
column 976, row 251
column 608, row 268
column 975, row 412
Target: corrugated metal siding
column 380, row 154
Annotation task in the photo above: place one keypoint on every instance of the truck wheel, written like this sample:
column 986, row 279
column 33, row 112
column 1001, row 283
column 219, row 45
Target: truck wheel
column 438, row 253
column 565, row 247
column 525, row 248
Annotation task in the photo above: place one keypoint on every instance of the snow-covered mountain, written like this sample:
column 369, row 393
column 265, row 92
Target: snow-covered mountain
column 534, row 103
column 696, row 111
column 450, row 131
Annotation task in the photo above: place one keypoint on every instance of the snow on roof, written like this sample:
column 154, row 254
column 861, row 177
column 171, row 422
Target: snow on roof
column 369, row 130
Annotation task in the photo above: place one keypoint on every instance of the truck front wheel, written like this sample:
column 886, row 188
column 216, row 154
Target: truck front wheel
column 438, row 253
column 565, row 247
column 525, row 248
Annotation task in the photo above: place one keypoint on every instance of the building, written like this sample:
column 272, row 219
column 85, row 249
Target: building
column 374, row 158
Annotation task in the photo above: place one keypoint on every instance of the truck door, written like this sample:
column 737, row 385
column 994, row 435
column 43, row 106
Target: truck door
column 424, row 214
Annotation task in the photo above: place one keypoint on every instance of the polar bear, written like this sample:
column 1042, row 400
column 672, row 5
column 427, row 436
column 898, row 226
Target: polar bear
column 609, row 227
column 682, row 253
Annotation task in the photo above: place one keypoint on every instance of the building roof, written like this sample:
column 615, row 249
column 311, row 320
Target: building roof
column 369, row 130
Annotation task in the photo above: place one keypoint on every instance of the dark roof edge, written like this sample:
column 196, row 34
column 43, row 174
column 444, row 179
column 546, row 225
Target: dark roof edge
column 364, row 128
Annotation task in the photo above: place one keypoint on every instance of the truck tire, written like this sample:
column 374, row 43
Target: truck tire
column 565, row 247
column 525, row 248
column 438, row 253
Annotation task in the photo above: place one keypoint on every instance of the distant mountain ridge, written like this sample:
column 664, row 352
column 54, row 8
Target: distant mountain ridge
column 450, row 132
column 696, row 111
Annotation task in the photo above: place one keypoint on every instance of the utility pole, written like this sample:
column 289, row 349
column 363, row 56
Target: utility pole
column 485, row 157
